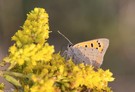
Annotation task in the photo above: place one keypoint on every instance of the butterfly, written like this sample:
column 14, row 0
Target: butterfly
column 88, row 52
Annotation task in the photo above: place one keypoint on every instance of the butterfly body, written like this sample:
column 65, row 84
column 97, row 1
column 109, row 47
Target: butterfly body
column 88, row 52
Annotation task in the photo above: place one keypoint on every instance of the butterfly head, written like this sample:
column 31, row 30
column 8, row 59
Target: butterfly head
column 70, row 45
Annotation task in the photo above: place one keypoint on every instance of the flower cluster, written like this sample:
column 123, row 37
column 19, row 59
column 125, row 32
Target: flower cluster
column 34, row 30
column 30, row 44
column 64, row 76
column 38, row 69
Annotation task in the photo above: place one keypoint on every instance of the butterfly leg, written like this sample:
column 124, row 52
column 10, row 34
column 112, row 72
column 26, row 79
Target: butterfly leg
column 66, row 55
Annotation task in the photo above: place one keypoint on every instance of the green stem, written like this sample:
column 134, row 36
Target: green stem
column 20, row 75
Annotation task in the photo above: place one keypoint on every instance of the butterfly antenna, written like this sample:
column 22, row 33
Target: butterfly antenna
column 65, row 37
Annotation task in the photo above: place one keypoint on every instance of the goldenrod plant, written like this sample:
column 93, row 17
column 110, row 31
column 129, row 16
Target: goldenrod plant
column 34, row 67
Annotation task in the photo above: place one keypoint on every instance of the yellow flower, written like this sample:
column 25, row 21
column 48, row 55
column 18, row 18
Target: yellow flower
column 45, row 86
column 30, row 46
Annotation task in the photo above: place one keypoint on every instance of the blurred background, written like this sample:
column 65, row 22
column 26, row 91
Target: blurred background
column 82, row 20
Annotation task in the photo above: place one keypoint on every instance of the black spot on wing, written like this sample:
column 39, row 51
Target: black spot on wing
column 99, row 44
column 85, row 45
column 91, row 44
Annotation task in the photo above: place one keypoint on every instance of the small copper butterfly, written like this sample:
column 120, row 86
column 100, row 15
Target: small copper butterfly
column 88, row 52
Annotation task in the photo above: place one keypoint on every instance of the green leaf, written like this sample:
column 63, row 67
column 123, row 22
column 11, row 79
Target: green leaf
column 12, row 80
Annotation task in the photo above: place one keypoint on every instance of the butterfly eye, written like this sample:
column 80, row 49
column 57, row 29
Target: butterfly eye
column 70, row 45
column 85, row 45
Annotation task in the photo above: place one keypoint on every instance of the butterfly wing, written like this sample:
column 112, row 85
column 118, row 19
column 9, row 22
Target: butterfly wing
column 88, row 56
column 91, row 52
